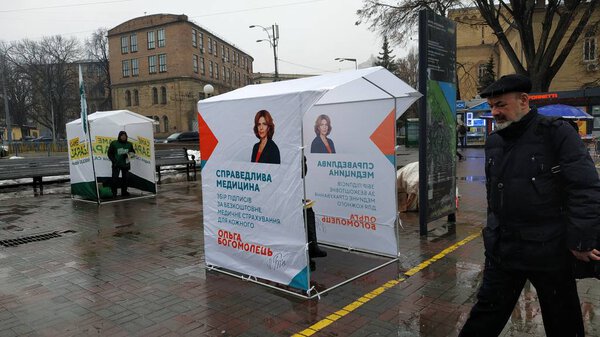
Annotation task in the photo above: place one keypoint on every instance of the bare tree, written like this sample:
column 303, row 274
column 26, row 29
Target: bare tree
column 408, row 71
column 16, row 98
column 544, row 54
column 399, row 19
column 408, row 68
column 48, row 67
column 97, row 50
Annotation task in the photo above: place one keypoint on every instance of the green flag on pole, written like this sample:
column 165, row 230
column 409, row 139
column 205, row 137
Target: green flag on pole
column 84, row 118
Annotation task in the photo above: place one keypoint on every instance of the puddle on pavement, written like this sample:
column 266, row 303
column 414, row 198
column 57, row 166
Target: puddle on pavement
column 15, row 210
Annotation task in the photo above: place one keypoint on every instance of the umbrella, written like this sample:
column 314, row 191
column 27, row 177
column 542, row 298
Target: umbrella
column 556, row 110
column 564, row 111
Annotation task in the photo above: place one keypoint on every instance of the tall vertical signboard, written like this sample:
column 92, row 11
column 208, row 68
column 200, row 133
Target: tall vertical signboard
column 437, row 112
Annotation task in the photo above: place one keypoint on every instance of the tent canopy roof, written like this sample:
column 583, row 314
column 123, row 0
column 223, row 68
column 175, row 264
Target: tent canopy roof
column 348, row 86
column 117, row 117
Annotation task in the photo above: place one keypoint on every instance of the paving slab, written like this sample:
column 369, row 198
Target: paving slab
column 136, row 268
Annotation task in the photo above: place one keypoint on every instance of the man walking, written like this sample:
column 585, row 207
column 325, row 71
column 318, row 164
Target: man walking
column 543, row 196
column 119, row 153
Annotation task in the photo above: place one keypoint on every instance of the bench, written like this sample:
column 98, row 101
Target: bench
column 39, row 167
column 175, row 157
column 34, row 167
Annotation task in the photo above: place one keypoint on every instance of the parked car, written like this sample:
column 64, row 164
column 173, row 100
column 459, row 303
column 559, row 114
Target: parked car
column 190, row 136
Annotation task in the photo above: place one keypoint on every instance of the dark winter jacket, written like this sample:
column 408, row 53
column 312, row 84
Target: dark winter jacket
column 118, row 152
column 317, row 145
column 543, row 194
column 270, row 154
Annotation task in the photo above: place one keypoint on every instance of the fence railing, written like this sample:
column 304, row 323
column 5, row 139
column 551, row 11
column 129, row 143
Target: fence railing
column 19, row 148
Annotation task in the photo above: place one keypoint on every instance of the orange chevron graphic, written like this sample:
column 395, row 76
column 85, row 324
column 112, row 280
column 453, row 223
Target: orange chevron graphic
column 208, row 141
column 383, row 136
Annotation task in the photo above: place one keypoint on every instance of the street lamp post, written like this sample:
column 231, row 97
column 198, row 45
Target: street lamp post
column 273, row 40
column 5, row 97
column 208, row 90
column 342, row 59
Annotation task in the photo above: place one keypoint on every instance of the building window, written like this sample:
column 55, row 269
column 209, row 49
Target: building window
column 124, row 44
column 165, row 124
column 127, row 98
column 136, row 97
column 161, row 38
column 209, row 45
column 152, row 64
column 589, row 48
column 195, row 63
column 154, row 96
column 202, row 69
column 201, row 38
column 215, row 47
column 224, row 74
column 194, row 39
column 223, row 52
column 217, row 71
column 135, row 69
column 156, row 124
column 151, row 40
column 162, row 63
column 210, row 69
column 227, row 57
column 163, row 95
column 125, row 64
column 133, row 42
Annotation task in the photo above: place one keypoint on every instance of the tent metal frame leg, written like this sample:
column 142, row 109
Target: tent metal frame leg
column 113, row 201
column 311, row 292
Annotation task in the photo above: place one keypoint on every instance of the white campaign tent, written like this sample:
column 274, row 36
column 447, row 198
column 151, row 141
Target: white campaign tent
column 253, row 211
column 87, row 175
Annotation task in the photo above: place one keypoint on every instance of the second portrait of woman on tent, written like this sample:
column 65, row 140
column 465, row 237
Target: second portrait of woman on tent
column 265, row 151
column 322, row 144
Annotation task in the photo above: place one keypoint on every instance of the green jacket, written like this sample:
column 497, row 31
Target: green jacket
column 118, row 153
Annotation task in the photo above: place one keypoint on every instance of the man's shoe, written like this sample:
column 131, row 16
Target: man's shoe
column 125, row 194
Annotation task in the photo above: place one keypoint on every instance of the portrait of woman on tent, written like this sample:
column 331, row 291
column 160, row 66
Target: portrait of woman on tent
column 322, row 144
column 265, row 151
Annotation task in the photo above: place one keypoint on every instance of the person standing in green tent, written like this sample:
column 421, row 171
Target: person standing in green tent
column 119, row 152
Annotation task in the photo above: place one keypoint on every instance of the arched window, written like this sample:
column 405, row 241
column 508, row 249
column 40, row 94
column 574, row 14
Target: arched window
column 127, row 98
column 156, row 124
column 166, row 124
column 154, row 96
column 163, row 94
column 136, row 97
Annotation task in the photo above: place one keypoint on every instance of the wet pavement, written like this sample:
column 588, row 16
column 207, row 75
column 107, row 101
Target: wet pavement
column 136, row 268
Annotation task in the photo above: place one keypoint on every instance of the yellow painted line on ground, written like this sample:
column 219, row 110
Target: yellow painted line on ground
column 320, row 325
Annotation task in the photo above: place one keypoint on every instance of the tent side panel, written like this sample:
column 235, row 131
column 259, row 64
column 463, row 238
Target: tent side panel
column 83, row 183
column 253, row 211
column 353, row 186
column 142, row 164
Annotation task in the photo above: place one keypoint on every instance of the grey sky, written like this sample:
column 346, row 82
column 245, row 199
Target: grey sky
column 312, row 32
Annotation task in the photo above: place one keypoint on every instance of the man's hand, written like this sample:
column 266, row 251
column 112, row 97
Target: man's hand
column 593, row 254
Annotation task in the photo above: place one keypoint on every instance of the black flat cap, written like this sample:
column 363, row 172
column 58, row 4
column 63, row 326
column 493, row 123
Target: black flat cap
column 507, row 83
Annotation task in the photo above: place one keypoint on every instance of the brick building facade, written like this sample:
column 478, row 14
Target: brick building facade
column 161, row 63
